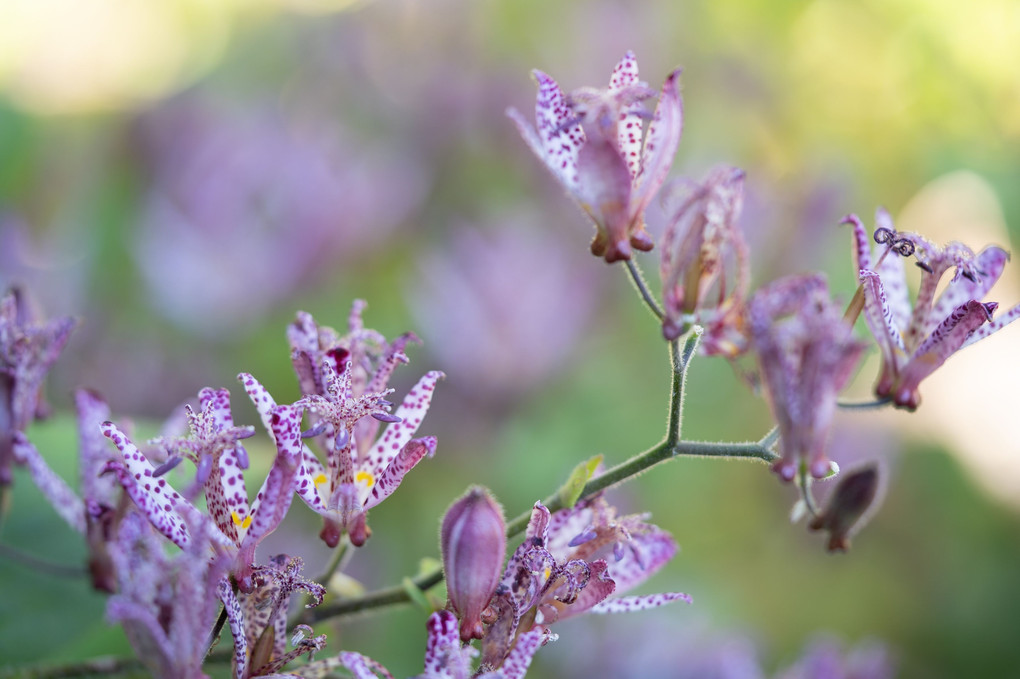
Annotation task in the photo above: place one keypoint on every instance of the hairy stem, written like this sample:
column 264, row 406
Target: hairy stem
column 642, row 287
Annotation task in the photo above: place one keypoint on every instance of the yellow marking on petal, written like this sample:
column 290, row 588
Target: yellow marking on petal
column 548, row 572
column 321, row 478
column 238, row 521
column 366, row 477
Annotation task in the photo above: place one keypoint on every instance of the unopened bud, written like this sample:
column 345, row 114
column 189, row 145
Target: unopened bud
column 850, row 499
column 473, row 541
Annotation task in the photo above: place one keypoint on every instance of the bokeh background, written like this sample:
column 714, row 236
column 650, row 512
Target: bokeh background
column 184, row 175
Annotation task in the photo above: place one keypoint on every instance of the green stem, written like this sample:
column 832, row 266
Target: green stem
column 865, row 405
column 646, row 295
column 805, row 491
column 339, row 554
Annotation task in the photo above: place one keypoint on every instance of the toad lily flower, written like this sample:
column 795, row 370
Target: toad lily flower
column 806, row 354
column 704, row 268
column 220, row 460
column 915, row 342
column 28, row 349
column 344, row 381
column 568, row 564
column 594, row 143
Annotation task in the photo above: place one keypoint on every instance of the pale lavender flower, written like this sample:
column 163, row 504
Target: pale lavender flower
column 236, row 187
column 570, row 563
column 916, row 341
column 806, row 354
column 28, row 348
column 344, row 380
column 168, row 605
column 238, row 526
column 497, row 333
column 704, row 267
column 593, row 141
column 826, row 658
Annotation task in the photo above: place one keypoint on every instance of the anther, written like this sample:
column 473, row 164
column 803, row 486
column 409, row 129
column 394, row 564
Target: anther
column 166, row 466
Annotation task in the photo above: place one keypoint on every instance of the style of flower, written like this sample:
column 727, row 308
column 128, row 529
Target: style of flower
column 704, row 267
column 806, row 354
column 168, row 605
column 344, row 380
column 916, row 342
column 28, row 348
column 220, row 460
column 570, row 563
column 594, row 143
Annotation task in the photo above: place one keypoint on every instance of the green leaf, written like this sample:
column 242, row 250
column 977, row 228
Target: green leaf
column 571, row 490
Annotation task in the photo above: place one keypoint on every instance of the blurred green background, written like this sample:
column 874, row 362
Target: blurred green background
column 185, row 175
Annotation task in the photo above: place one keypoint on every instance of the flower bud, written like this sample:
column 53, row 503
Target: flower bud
column 850, row 499
column 473, row 541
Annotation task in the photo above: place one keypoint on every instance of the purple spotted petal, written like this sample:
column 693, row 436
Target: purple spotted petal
column 661, row 143
column 990, row 262
column 628, row 604
column 862, row 243
column 155, row 497
column 1000, row 321
column 410, row 455
column 630, row 127
column 273, row 500
column 362, row 667
column 879, row 316
column 411, row 413
column 444, row 655
column 237, row 628
column 560, row 142
column 643, row 556
column 946, row 339
column 519, row 659
column 56, row 491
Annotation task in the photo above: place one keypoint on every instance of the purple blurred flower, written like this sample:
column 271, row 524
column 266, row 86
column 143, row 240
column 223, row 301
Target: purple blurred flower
column 168, row 605
column 594, row 143
column 826, row 659
column 247, row 207
column 569, row 563
column 916, row 342
column 704, row 268
column 806, row 354
column 28, row 348
column 503, row 331
column 344, row 380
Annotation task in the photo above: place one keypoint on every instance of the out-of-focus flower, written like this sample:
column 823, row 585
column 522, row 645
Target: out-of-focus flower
column 594, row 143
column 28, row 348
column 344, row 381
column 915, row 342
column 569, row 563
column 168, row 605
column 806, row 354
column 826, row 659
column 233, row 188
column 852, row 497
column 220, row 460
column 473, row 545
column 704, row 267
column 501, row 331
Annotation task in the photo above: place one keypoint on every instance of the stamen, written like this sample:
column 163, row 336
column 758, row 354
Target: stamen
column 386, row 417
column 903, row 247
column 314, row 431
column 343, row 437
column 884, row 235
column 166, row 466
column 922, row 265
